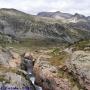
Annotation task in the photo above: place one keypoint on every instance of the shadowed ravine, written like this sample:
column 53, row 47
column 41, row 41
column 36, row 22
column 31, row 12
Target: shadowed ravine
column 29, row 67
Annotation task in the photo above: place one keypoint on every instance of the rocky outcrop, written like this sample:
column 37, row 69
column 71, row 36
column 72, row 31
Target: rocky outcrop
column 9, row 58
column 46, row 76
column 11, row 76
column 27, row 65
column 11, row 79
column 79, row 67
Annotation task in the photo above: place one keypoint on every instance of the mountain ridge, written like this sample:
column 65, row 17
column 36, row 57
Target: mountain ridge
column 61, row 15
column 21, row 26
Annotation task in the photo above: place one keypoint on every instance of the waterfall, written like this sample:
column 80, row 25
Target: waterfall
column 29, row 67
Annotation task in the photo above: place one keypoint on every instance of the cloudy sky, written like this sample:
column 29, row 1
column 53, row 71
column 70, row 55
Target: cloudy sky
column 35, row 6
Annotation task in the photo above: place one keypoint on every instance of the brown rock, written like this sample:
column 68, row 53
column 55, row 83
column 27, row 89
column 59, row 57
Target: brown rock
column 46, row 76
column 9, row 59
column 28, row 55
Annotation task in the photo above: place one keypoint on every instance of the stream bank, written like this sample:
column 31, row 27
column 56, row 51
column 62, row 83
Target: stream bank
column 27, row 65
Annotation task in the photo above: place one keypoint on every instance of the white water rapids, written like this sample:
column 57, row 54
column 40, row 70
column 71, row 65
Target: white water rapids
column 31, row 75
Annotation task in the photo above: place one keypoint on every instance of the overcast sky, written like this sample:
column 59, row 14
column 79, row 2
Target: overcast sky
column 35, row 6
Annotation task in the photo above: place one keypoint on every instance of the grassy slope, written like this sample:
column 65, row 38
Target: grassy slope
column 49, row 26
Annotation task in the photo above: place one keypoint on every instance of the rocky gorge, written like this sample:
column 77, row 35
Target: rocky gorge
column 72, row 74
column 45, row 70
column 44, row 51
column 11, row 76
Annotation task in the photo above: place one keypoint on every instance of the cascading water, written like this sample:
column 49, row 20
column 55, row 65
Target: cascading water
column 29, row 67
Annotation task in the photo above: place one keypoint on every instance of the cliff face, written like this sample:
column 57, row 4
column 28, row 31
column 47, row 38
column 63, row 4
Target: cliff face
column 16, row 25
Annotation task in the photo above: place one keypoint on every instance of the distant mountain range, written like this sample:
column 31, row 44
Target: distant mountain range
column 65, row 16
column 46, row 26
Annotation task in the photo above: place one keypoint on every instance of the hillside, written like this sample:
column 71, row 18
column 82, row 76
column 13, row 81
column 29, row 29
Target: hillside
column 44, row 52
column 19, row 26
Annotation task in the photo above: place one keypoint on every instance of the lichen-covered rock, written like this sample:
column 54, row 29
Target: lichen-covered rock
column 79, row 66
column 9, row 58
column 11, row 76
column 46, row 76
column 13, row 80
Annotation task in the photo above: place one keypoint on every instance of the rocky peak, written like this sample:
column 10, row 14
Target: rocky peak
column 56, row 14
column 65, row 16
column 88, row 17
column 78, row 16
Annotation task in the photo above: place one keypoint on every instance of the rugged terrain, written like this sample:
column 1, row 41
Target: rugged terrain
column 17, row 26
column 65, row 16
column 60, row 58
column 11, row 75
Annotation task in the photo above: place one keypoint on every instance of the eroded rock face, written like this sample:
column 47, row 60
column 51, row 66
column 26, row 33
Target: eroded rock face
column 11, row 76
column 46, row 76
column 79, row 66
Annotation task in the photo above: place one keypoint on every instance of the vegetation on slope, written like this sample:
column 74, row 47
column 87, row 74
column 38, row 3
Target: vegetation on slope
column 20, row 27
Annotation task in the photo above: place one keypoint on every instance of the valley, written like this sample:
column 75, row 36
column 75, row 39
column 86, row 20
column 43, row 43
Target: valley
column 48, row 51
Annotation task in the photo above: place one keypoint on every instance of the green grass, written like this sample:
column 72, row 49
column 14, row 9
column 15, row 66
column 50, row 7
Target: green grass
column 32, row 44
column 2, row 78
column 58, row 58
column 81, row 45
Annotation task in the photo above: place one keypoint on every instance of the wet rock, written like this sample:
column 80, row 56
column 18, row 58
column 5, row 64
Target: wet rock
column 79, row 66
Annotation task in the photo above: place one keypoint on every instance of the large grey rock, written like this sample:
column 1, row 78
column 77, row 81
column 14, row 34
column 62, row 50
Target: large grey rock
column 9, row 58
column 10, row 79
column 79, row 66
column 11, row 76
